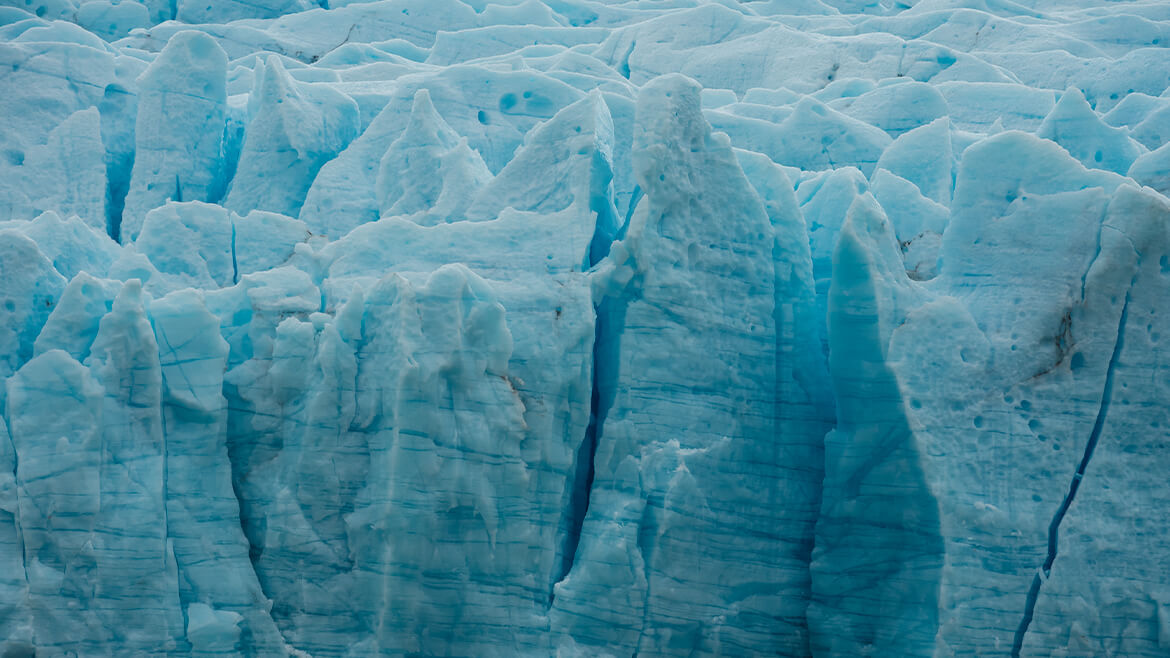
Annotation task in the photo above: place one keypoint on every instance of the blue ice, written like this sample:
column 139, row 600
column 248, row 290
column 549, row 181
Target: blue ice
column 580, row 328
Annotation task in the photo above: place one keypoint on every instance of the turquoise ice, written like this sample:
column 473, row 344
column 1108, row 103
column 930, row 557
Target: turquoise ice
column 578, row 328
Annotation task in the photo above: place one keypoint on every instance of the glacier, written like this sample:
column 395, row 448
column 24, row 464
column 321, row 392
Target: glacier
column 578, row 328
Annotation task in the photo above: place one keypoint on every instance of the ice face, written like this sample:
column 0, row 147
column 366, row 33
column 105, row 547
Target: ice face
column 567, row 328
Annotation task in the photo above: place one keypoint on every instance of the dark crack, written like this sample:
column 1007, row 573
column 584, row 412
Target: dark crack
column 1074, row 485
column 606, row 348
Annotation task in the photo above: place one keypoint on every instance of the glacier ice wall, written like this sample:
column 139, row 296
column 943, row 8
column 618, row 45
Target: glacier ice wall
column 578, row 328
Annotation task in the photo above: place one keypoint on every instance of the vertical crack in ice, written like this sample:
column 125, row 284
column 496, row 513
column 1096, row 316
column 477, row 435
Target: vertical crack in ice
column 582, row 486
column 236, row 264
column 161, row 335
column 6, row 436
column 647, row 536
column 1096, row 255
column 606, row 344
column 116, row 189
column 609, row 320
column 635, row 197
column 119, row 163
column 623, row 67
column 1074, row 485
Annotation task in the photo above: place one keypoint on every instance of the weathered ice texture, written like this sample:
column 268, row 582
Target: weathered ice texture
column 571, row 328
